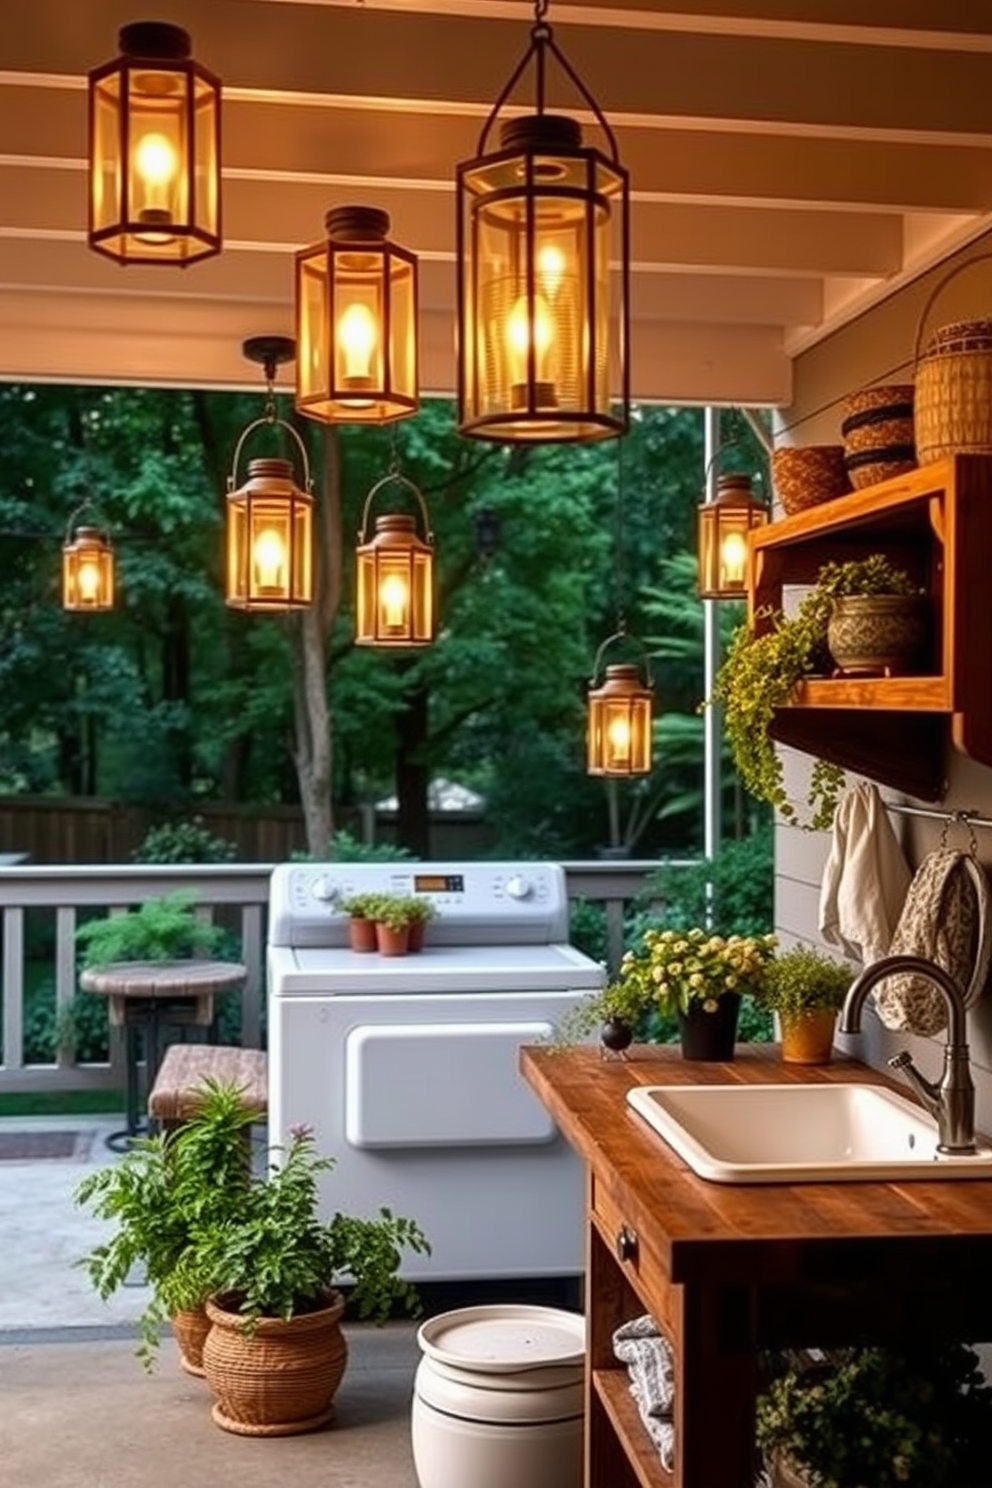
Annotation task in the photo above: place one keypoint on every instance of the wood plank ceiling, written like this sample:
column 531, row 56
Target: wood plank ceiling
column 792, row 162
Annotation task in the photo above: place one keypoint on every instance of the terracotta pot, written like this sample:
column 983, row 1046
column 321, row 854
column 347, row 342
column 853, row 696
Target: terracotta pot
column 281, row 1381
column 190, row 1331
column 415, row 935
column 361, row 933
column 878, row 635
column 710, row 1035
column 808, row 1037
column 392, row 942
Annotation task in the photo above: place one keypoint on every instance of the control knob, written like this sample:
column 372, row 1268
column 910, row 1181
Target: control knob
column 324, row 889
column 519, row 888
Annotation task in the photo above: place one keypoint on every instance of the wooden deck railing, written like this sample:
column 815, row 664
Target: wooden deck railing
column 241, row 890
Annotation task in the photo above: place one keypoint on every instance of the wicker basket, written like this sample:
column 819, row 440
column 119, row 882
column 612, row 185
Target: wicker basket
column 878, row 433
column 806, row 475
column 954, row 383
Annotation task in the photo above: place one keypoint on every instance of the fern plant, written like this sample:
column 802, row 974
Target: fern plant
column 162, row 929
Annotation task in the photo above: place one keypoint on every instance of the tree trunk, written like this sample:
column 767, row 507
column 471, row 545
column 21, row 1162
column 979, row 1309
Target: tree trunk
column 413, row 825
column 311, row 746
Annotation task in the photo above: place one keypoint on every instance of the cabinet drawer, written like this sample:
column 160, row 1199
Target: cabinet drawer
column 641, row 1266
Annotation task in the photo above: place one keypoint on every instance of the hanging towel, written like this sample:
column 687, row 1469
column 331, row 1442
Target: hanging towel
column 946, row 919
column 645, row 1350
column 865, row 879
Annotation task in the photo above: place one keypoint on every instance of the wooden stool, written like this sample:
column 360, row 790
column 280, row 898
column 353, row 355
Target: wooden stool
column 179, row 1083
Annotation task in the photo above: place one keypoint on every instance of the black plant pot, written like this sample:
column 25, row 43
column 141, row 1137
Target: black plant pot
column 710, row 1035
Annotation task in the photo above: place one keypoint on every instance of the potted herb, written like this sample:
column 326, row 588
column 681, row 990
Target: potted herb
column 361, row 912
column 275, row 1353
column 852, row 1417
column 157, row 1197
column 394, row 915
column 765, row 662
column 693, row 975
column 805, row 988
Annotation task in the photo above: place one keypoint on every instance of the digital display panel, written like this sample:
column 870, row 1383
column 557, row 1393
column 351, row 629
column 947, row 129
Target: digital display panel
column 438, row 883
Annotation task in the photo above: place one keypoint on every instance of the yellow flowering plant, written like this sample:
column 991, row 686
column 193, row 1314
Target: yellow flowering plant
column 675, row 968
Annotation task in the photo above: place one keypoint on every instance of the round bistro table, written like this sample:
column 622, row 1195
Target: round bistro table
column 145, row 998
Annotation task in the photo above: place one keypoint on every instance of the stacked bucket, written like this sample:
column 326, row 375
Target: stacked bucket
column 878, row 433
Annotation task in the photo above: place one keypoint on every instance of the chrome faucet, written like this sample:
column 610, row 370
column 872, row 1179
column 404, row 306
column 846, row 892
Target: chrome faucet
column 952, row 1102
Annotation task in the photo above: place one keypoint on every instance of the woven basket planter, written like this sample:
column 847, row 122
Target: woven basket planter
column 805, row 476
column 190, row 1331
column 954, row 383
column 878, row 433
column 281, row 1380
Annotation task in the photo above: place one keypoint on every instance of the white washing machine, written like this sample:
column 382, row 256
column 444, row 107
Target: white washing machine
column 406, row 1067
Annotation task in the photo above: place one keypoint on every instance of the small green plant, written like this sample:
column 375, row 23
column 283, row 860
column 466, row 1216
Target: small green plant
column 359, row 906
column 184, row 842
column 763, row 666
column 914, row 1418
column 397, row 911
column 803, row 978
column 164, row 929
column 158, row 1196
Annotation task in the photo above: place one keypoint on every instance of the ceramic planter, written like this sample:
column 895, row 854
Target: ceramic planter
column 281, row 1380
column 710, row 1035
column 808, row 1036
column 878, row 635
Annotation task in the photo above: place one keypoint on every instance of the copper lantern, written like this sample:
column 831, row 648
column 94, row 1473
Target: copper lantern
column 395, row 577
column 154, row 151
column 543, row 270
column 724, row 524
column 87, row 569
column 619, row 721
column 269, row 537
column 356, row 323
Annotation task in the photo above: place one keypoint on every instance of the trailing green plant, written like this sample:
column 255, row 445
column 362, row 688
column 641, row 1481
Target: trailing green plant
column 919, row 1417
column 162, row 929
column 802, row 979
column 159, row 1196
column 763, row 666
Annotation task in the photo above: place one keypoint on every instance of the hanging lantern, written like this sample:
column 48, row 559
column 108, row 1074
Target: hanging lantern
column 154, row 151
column 724, row 524
column 356, row 323
column 542, row 328
column 618, row 734
column 395, row 577
column 87, row 568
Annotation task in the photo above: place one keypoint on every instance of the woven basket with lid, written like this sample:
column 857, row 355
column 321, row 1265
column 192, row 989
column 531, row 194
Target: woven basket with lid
column 954, row 382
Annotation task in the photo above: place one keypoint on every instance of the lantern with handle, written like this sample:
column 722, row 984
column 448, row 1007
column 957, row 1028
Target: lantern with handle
column 395, row 575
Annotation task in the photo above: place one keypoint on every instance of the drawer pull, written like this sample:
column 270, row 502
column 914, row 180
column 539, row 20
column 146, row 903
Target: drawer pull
column 626, row 1244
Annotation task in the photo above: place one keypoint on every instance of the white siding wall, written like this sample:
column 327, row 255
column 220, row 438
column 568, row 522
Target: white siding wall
column 879, row 348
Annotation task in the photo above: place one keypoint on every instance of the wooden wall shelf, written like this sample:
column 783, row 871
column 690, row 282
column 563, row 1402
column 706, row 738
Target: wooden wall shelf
column 937, row 523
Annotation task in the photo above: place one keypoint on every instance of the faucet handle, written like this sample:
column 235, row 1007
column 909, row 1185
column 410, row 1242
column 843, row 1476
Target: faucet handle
column 900, row 1061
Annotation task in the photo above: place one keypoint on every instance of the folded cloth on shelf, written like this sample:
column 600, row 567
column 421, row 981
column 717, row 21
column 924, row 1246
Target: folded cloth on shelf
column 645, row 1350
column 865, row 879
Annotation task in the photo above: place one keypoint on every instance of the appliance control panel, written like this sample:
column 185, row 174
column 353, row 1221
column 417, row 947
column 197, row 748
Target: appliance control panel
column 474, row 902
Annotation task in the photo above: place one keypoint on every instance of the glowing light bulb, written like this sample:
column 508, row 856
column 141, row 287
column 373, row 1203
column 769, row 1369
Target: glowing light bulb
column 357, row 336
column 269, row 560
column 551, row 265
column 618, row 738
column 88, row 579
column 518, row 331
column 156, row 161
column 733, row 558
column 394, row 597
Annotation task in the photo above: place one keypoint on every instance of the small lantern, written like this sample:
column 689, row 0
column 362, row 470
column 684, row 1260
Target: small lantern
column 395, row 577
column 541, row 222
column 619, row 718
column 269, row 534
column 724, row 524
column 154, row 154
column 87, row 568
column 356, row 323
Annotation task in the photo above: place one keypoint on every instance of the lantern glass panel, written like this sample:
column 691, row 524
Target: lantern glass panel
column 311, row 326
column 206, row 152
column 106, row 151
column 157, row 179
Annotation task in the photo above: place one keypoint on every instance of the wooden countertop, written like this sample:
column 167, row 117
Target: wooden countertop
column 756, row 1232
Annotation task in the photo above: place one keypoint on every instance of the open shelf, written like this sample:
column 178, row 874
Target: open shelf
column 612, row 1387
column 936, row 522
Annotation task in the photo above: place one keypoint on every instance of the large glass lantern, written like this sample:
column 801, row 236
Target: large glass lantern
column 395, row 576
column 87, row 568
column 356, row 323
column 619, row 720
column 269, row 534
column 724, row 524
column 154, row 151
column 543, row 277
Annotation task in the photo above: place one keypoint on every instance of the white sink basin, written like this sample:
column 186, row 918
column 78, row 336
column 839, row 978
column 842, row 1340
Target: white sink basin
column 801, row 1133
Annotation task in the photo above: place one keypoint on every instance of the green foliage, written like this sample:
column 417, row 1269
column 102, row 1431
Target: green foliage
column 734, row 891
column 159, row 1196
column 914, row 1418
column 872, row 575
column 276, row 1257
column 163, row 929
column 587, row 929
column 184, row 842
column 397, row 911
column 803, row 978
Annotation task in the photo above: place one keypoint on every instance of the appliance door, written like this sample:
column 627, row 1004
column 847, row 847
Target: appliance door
column 419, row 1100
